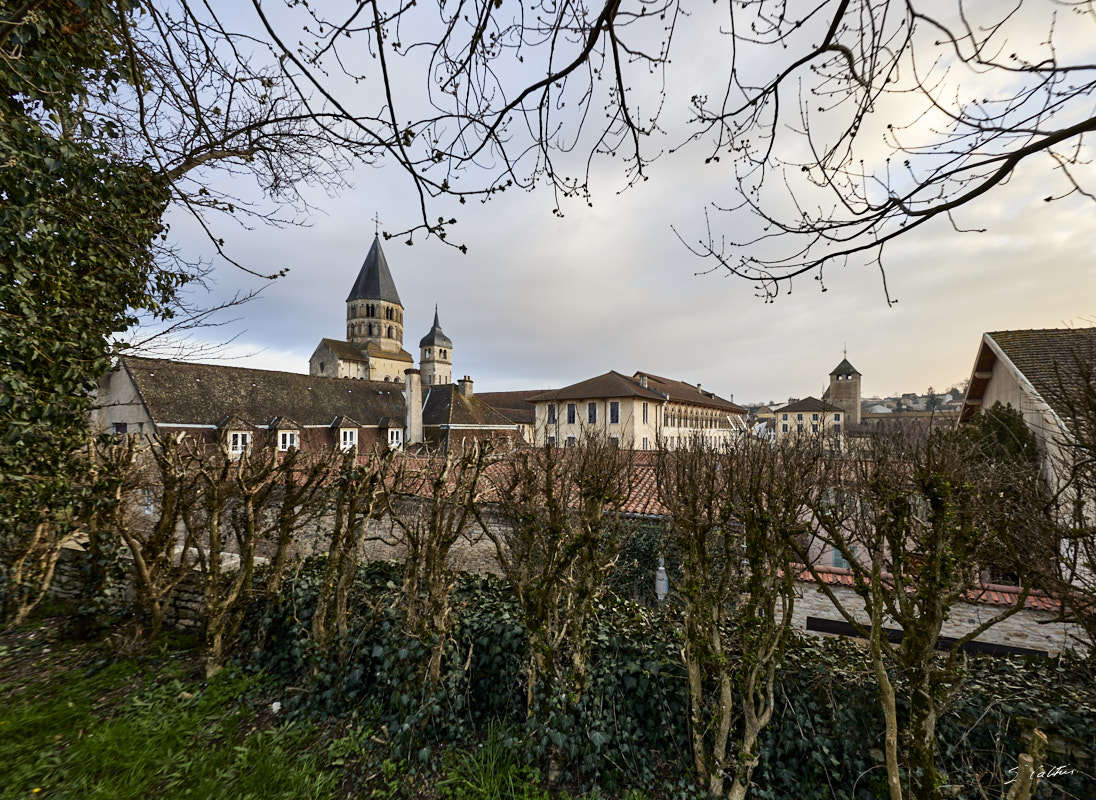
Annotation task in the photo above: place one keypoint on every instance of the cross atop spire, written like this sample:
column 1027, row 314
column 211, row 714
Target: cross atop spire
column 376, row 224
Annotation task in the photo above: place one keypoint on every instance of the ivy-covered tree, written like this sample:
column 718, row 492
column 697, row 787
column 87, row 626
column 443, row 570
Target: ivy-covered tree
column 735, row 512
column 558, row 528
column 77, row 229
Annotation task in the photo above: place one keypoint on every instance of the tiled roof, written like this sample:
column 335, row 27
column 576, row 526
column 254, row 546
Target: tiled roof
column 374, row 350
column 446, row 405
column 844, row 368
column 614, row 384
column 1048, row 359
column 991, row 594
column 810, row 404
column 681, row 392
column 177, row 392
column 374, row 279
column 644, row 498
column 344, row 351
column 611, row 384
column 513, row 405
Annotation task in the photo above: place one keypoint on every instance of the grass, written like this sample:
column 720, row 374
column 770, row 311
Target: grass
column 80, row 721
column 491, row 772
column 145, row 729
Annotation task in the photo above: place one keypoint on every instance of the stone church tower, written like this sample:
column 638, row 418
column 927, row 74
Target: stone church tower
column 844, row 390
column 374, row 312
column 436, row 356
column 373, row 349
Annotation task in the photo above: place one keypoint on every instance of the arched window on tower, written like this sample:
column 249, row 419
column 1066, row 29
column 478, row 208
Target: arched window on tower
column 390, row 336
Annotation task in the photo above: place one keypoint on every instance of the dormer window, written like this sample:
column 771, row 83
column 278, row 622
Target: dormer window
column 238, row 442
column 395, row 437
column 287, row 439
column 348, row 438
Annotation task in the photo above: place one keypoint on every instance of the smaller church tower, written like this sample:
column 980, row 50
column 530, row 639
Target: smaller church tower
column 844, row 390
column 436, row 356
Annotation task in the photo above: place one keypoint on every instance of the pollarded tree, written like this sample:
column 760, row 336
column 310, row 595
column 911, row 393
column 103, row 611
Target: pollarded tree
column 432, row 501
column 918, row 519
column 557, row 527
column 357, row 492
column 735, row 511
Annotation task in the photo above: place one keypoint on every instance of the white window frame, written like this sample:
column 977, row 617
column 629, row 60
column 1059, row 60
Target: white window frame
column 287, row 439
column 395, row 437
column 348, row 437
column 644, row 416
column 238, row 442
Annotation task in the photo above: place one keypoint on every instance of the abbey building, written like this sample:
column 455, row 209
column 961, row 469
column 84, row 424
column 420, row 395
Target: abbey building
column 361, row 391
column 373, row 348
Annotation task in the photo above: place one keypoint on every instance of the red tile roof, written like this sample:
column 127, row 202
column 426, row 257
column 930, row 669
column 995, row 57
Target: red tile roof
column 991, row 594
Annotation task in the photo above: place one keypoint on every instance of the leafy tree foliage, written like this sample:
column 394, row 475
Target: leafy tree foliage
column 77, row 227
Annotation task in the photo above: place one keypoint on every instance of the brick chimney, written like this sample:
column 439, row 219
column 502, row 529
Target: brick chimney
column 466, row 386
column 412, row 396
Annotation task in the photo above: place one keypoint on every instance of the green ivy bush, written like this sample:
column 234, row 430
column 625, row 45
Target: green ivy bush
column 630, row 728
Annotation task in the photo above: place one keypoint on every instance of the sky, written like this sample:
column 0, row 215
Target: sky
column 542, row 301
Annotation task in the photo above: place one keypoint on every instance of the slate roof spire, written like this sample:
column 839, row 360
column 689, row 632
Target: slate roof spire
column 844, row 368
column 435, row 338
column 375, row 280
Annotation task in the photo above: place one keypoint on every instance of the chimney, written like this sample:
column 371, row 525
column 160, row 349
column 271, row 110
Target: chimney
column 412, row 395
column 466, row 386
column 643, row 380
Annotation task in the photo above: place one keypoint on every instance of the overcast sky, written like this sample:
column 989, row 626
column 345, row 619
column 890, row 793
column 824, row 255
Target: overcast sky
column 541, row 301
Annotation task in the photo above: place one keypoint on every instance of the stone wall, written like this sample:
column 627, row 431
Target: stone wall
column 1030, row 628
column 184, row 612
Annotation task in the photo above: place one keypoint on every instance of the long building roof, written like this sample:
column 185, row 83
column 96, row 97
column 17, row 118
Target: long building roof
column 182, row 393
column 615, row 384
